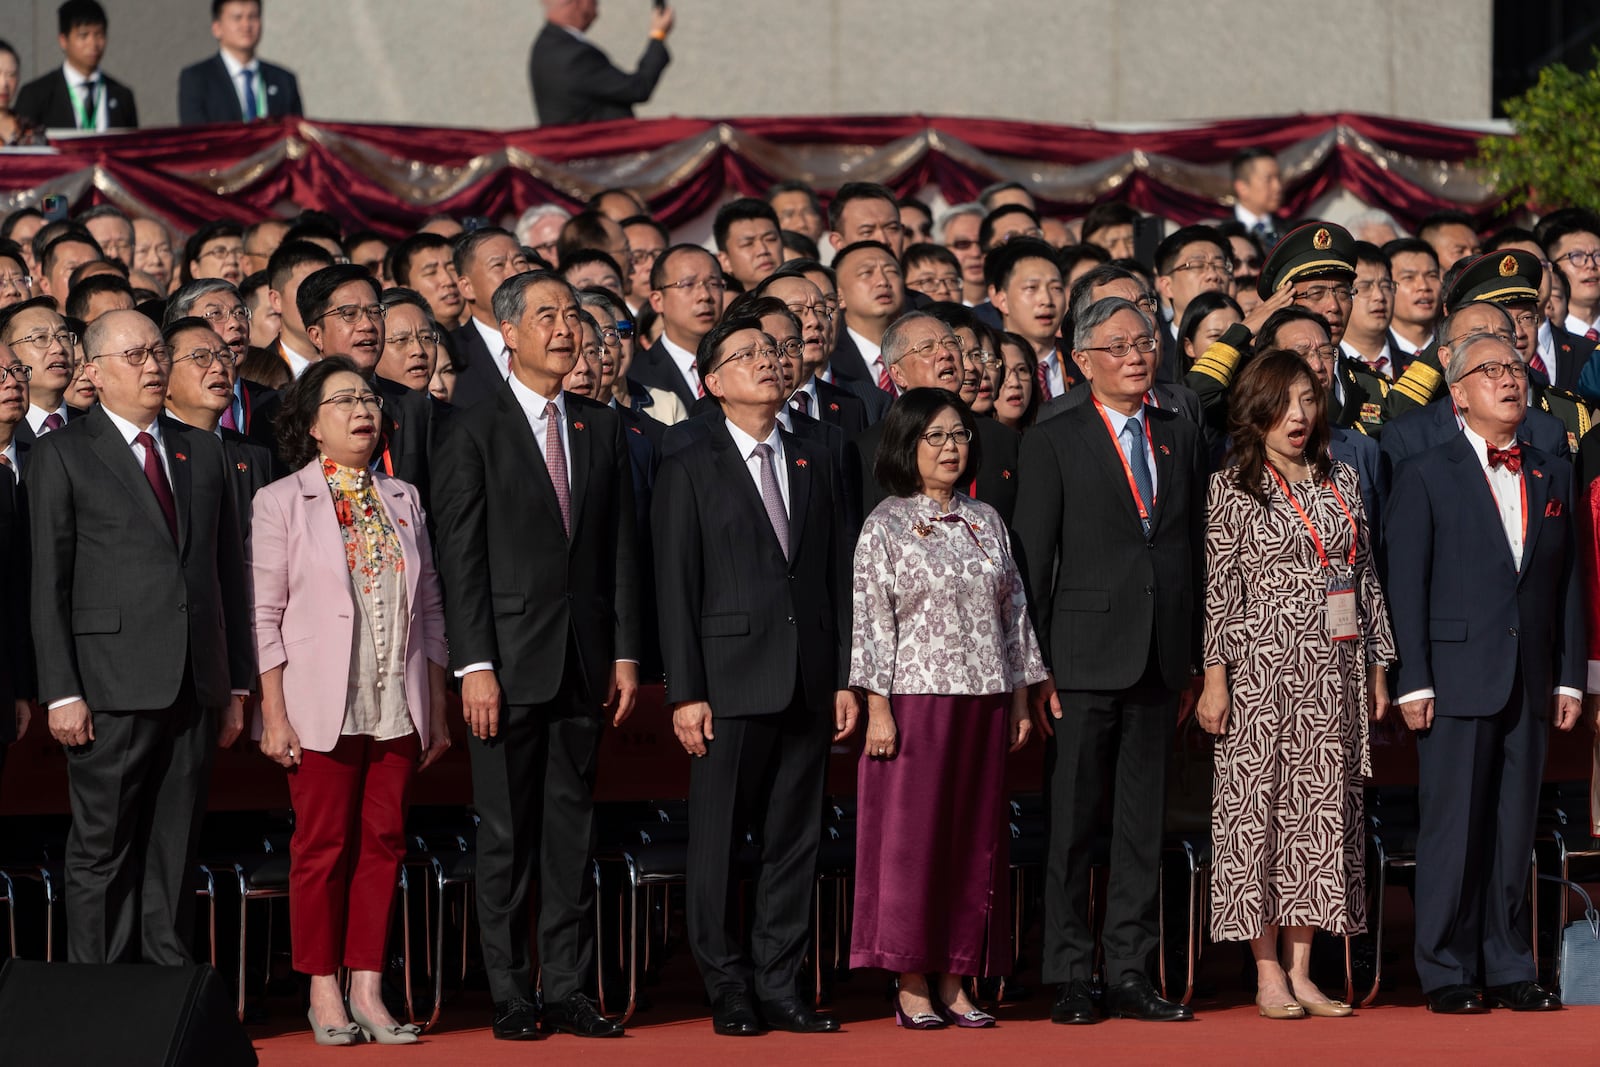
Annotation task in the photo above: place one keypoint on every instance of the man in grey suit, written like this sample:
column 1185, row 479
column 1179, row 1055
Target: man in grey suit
column 142, row 627
column 573, row 81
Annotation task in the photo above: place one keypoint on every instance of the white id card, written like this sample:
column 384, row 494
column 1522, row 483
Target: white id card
column 1343, row 621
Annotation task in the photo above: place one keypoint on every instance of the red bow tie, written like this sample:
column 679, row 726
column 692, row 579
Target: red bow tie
column 1510, row 457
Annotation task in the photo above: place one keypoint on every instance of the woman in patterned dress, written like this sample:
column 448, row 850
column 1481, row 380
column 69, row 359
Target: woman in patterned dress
column 944, row 650
column 349, row 632
column 1296, row 639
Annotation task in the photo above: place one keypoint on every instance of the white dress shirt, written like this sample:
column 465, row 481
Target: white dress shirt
column 495, row 342
column 75, row 82
column 813, row 405
column 1118, row 421
column 752, row 462
column 10, row 452
column 36, row 416
column 236, row 75
column 1384, row 353
column 1545, row 345
column 1250, row 219
column 684, row 360
column 871, row 355
column 1507, row 491
column 1579, row 327
column 297, row 362
column 1055, row 376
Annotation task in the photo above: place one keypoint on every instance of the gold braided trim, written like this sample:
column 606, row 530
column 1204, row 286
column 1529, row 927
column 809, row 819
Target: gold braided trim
column 1218, row 362
column 1302, row 269
column 1509, row 295
column 1418, row 383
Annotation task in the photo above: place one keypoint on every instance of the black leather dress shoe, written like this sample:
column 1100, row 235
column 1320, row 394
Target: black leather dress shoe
column 793, row 1016
column 1522, row 996
column 1456, row 1000
column 1136, row 998
column 516, row 1020
column 576, row 1014
column 733, row 1015
column 1074, row 1004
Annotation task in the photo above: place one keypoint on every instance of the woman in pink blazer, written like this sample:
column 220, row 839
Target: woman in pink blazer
column 350, row 635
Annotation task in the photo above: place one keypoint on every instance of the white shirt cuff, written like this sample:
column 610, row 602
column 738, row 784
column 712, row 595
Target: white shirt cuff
column 63, row 702
column 241, row 692
column 1416, row 694
column 474, row 668
column 1568, row 691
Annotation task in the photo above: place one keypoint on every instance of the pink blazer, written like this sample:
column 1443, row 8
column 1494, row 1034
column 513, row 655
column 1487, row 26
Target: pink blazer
column 305, row 608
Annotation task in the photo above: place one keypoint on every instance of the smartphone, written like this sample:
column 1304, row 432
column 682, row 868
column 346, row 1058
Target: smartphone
column 54, row 208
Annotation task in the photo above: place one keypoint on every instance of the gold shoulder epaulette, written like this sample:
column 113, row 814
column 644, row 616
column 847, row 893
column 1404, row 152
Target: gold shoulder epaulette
column 1418, row 383
column 1218, row 362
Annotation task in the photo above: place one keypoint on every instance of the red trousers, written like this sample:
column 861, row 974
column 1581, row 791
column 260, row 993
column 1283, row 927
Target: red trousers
column 344, row 858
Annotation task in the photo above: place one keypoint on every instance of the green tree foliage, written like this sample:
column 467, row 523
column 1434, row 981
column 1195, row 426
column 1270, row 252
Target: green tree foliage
column 1553, row 159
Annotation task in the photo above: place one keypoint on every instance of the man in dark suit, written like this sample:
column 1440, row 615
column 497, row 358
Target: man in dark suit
column 686, row 291
column 40, row 338
column 809, row 394
column 752, row 583
column 233, row 85
column 536, row 554
column 1166, row 395
column 1110, row 525
column 78, row 95
column 1485, row 591
column 872, row 294
column 483, row 259
column 16, row 636
column 573, row 81
column 922, row 351
column 145, row 651
column 341, row 308
column 219, row 304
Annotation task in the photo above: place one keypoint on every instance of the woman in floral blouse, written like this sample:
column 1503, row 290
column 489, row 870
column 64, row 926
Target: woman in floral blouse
column 350, row 638
column 944, row 650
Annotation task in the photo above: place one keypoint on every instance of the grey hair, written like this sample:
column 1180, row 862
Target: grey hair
column 587, row 299
column 1447, row 328
column 950, row 214
column 896, row 339
column 183, row 301
column 510, row 301
column 1460, row 357
column 1373, row 217
column 526, row 220
column 1098, row 314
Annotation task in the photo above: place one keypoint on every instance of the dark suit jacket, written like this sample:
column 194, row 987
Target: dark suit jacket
column 1104, row 596
column 249, row 468
column 1169, row 395
column 995, row 485
column 24, row 434
column 413, row 419
column 16, row 635
column 1362, row 454
column 573, row 81
column 207, row 94
column 850, row 372
column 119, row 611
column 480, row 378
column 740, row 624
column 842, row 408
column 1420, row 429
column 47, row 102
column 517, row 590
column 655, row 368
column 1465, row 619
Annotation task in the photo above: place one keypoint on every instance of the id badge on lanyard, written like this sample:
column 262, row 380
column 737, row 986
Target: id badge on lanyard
column 1342, row 620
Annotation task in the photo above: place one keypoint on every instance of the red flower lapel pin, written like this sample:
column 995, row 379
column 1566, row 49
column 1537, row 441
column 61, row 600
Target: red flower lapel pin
column 833, row 407
column 800, row 463
column 1165, row 451
column 242, row 466
column 180, row 455
column 1005, row 474
column 402, row 522
column 577, row 426
column 1552, row 509
column 1538, row 474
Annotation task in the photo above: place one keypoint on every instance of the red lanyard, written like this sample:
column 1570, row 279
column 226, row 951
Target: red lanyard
column 1138, row 502
column 1322, row 553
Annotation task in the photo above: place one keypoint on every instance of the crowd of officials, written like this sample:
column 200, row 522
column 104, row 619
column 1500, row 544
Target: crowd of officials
column 983, row 480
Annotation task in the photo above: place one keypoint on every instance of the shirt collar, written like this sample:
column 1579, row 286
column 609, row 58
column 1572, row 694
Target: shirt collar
column 1579, row 327
column 129, row 431
column 495, row 342
column 747, row 444
column 1546, row 339
column 1480, row 447
column 532, row 402
column 1119, row 420
column 681, row 356
column 869, row 352
column 236, row 68
column 76, row 77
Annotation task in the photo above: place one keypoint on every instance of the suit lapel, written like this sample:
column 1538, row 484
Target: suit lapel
column 322, row 520
column 1107, row 458
column 519, row 435
column 1473, row 485
column 799, row 492
column 116, row 454
column 580, row 447
column 731, row 470
column 1162, row 442
column 174, row 437
column 1536, row 479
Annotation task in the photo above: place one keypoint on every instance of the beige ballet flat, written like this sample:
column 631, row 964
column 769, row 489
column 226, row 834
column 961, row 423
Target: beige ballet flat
column 1333, row 1009
column 1281, row 1011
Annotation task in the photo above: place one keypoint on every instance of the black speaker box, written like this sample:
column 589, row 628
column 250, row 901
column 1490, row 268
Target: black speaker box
column 127, row 1015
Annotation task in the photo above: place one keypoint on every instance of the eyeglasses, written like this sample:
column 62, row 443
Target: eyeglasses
column 610, row 338
column 1120, row 349
column 222, row 254
column 988, row 360
column 791, row 348
column 1318, row 293
column 1495, row 371
column 40, row 342
column 590, row 352
column 938, row 438
column 136, row 357
column 689, row 285
column 747, row 356
column 1326, row 353
column 1526, row 319
column 821, row 311
column 20, row 281
column 643, row 257
column 204, row 357
column 1580, row 257
column 346, row 403
column 20, row 371
column 349, row 313
column 422, row 337
column 238, row 313
column 1019, row 373
column 943, row 285
column 1216, row 266
column 1147, row 304
column 930, row 349
column 1387, row 288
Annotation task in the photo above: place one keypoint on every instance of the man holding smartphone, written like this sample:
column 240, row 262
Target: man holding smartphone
column 573, row 81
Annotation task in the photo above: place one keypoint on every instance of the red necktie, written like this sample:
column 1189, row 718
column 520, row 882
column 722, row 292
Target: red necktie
column 886, row 383
column 1044, row 382
column 1538, row 364
column 1591, row 334
column 555, row 461
column 1377, row 365
column 157, row 477
column 1510, row 458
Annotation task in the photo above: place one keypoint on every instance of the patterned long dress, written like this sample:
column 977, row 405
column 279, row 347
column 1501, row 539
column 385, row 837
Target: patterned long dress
column 1286, row 827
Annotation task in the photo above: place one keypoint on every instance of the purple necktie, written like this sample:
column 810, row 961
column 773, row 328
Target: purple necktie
column 158, row 482
column 555, row 460
column 772, row 497
column 802, row 401
column 52, row 421
column 228, row 422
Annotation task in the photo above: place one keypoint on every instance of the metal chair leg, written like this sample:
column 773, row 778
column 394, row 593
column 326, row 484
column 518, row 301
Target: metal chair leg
column 1377, row 924
column 633, row 940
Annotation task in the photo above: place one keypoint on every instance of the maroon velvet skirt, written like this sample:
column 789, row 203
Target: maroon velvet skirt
column 932, row 842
